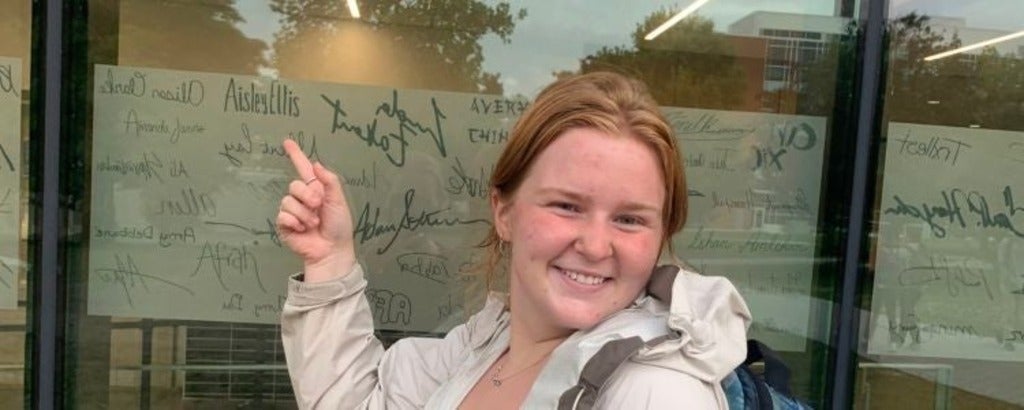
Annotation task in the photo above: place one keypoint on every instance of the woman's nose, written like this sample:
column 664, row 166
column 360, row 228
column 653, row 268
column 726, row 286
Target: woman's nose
column 594, row 241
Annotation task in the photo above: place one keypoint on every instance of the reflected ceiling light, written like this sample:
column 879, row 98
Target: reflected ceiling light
column 933, row 102
column 975, row 46
column 675, row 19
column 974, row 126
column 353, row 8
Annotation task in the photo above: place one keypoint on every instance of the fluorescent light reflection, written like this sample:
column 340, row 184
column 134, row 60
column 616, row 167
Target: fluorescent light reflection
column 675, row 19
column 353, row 8
column 975, row 46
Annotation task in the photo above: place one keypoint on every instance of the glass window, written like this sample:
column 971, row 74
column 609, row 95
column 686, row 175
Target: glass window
column 179, row 276
column 946, row 300
column 15, row 227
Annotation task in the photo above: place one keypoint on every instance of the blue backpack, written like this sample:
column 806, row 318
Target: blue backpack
column 746, row 390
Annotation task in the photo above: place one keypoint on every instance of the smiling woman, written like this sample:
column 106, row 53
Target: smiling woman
column 150, row 193
column 584, row 198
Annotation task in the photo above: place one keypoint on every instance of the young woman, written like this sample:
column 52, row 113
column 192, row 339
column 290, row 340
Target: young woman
column 584, row 198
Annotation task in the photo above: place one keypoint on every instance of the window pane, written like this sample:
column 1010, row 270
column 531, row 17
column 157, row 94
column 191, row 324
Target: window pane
column 179, row 275
column 946, row 323
column 15, row 40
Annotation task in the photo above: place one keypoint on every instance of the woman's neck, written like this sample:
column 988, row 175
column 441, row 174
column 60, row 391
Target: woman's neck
column 531, row 342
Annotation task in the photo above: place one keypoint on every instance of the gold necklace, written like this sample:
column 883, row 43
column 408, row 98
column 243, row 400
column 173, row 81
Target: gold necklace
column 496, row 381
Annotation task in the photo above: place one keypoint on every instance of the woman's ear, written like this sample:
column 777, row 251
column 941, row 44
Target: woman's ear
column 501, row 213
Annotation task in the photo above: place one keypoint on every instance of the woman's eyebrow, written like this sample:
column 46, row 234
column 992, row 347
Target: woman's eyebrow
column 631, row 206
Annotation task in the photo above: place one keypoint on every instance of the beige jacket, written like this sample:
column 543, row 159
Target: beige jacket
column 335, row 361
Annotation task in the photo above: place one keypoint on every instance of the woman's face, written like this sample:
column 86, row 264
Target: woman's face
column 585, row 228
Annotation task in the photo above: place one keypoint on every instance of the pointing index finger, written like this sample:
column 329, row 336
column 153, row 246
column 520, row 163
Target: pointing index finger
column 299, row 160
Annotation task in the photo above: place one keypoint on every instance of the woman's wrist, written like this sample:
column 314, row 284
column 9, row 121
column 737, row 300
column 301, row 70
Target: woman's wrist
column 331, row 267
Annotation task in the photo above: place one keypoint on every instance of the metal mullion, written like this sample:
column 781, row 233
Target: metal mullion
column 47, row 288
column 868, row 80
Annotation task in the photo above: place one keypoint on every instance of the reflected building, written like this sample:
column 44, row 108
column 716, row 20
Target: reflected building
column 792, row 42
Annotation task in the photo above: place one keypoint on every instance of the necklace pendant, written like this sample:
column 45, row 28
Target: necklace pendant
column 496, row 382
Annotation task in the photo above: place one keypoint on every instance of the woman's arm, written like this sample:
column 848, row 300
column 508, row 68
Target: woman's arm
column 332, row 355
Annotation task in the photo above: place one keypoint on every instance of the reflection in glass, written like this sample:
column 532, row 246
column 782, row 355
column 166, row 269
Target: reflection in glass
column 750, row 92
column 946, row 300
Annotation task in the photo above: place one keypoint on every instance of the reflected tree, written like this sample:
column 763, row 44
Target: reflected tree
column 687, row 65
column 198, row 36
column 985, row 88
column 399, row 43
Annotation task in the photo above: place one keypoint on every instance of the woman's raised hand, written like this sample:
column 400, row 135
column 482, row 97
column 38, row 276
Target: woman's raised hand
column 314, row 219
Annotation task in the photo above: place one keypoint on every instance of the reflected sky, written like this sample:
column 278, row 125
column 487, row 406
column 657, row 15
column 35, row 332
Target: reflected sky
column 555, row 35
column 990, row 14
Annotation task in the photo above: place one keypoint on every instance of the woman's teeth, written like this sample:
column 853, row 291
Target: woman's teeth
column 583, row 278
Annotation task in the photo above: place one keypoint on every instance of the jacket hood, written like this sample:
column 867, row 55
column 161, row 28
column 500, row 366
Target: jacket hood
column 708, row 320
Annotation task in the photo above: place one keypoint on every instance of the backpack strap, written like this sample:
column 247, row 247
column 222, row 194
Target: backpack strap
column 599, row 369
column 776, row 372
column 760, row 398
column 660, row 283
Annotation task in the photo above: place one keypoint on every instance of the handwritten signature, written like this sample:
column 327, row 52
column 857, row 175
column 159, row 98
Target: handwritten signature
column 425, row 265
column 234, row 151
column 127, row 274
column 224, row 259
column 270, row 231
column 951, row 211
column 956, row 274
column 704, row 124
column 389, row 306
column 475, row 187
column 368, row 224
column 788, row 137
column 393, row 143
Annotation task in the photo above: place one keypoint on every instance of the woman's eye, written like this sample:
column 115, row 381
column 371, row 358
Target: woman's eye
column 631, row 220
column 565, row 206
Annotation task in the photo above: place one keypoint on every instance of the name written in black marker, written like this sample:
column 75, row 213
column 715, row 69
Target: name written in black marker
column 189, row 92
column 166, row 238
column 224, row 259
column 389, row 306
column 949, row 211
column 955, row 274
column 488, row 136
column 133, row 84
column 148, row 167
column 690, row 128
column 275, row 98
column 144, row 127
column 127, row 275
column 942, row 150
column 475, row 186
column 502, row 106
column 369, row 226
column 191, row 203
column 239, row 150
column 392, row 128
